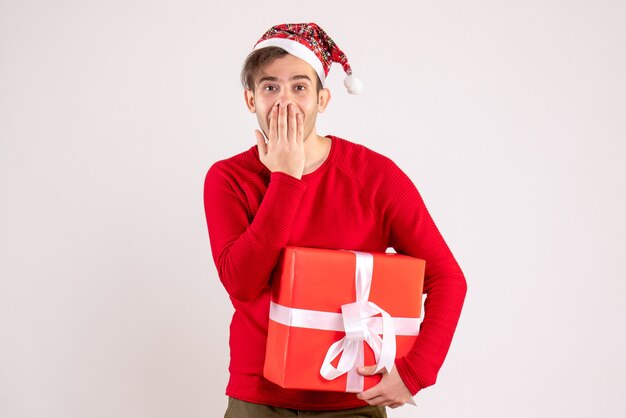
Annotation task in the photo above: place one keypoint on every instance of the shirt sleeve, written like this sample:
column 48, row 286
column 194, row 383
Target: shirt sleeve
column 412, row 231
column 246, row 250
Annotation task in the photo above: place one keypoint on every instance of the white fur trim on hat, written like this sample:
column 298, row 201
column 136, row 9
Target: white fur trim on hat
column 296, row 49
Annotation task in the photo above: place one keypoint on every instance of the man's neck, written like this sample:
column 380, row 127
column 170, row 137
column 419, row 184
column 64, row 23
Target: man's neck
column 316, row 150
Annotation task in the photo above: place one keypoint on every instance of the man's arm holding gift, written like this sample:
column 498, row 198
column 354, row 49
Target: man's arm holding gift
column 246, row 252
column 412, row 231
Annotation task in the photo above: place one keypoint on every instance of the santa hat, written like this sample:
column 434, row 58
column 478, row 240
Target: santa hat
column 310, row 43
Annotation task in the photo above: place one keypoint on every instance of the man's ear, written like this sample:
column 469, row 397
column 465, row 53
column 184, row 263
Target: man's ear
column 248, row 95
column 323, row 97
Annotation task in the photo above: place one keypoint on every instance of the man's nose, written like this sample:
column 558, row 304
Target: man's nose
column 285, row 97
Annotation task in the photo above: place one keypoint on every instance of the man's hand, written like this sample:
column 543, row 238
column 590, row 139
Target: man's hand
column 284, row 150
column 391, row 391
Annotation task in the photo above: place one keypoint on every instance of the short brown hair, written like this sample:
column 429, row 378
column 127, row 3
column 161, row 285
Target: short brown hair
column 258, row 59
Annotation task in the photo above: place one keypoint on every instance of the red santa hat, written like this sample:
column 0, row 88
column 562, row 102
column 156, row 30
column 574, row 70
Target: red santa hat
column 310, row 43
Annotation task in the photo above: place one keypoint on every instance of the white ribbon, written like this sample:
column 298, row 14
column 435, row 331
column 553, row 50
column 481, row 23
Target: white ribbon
column 357, row 332
column 361, row 324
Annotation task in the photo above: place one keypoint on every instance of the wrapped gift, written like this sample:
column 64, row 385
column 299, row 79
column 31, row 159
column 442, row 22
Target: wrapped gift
column 335, row 310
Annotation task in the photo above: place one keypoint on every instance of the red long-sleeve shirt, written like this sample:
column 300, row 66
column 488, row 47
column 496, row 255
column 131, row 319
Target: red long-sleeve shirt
column 358, row 200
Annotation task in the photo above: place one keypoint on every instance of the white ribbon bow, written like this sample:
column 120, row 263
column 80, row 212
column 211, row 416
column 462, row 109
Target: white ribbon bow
column 357, row 332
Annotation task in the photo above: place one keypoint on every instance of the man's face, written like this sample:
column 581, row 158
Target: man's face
column 289, row 80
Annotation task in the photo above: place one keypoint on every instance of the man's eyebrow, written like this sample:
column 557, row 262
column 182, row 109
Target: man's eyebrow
column 295, row 77
column 268, row 78
column 300, row 77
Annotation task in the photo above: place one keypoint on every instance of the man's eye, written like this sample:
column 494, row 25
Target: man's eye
column 270, row 88
column 301, row 87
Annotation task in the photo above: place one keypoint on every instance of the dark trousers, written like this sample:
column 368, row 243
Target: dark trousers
column 242, row 409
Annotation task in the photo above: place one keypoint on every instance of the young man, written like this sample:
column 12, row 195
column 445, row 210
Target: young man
column 298, row 188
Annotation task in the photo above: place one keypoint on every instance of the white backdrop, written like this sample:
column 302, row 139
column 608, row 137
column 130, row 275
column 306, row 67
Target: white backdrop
column 510, row 117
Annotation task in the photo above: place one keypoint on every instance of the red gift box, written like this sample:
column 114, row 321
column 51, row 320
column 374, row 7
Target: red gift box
column 334, row 310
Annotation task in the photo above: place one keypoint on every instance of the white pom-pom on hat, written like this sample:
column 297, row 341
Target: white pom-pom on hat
column 353, row 84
